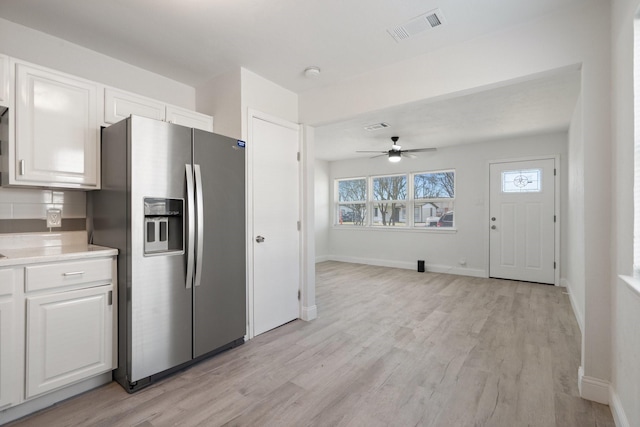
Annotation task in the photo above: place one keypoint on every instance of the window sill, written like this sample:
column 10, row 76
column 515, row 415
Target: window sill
column 435, row 230
column 632, row 282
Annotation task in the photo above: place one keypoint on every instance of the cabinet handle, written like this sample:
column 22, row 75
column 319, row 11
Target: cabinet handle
column 73, row 273
column 110, row 298
column 21, row 167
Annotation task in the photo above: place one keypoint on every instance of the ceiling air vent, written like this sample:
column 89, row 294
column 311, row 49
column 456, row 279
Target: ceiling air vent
column 377, row 126
column 417, row 25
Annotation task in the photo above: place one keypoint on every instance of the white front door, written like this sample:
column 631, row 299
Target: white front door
column 522, row 221
column 276, row 212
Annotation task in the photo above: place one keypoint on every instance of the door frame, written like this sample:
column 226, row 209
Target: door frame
column 251, row 116
column 556, row 209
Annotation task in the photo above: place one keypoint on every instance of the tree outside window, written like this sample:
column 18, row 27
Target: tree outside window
column 389, row 195
column 352, row 201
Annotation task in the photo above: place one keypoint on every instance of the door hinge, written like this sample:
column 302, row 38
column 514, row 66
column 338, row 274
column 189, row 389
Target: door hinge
column 555, row 171
column 110, row 298
column 298, row 156
column 554, row 265
column 298, row 294
column 554, row 218
column 298, row 225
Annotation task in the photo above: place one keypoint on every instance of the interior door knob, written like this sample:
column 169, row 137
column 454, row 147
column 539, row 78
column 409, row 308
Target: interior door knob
column 493, row 218
column 259, row 239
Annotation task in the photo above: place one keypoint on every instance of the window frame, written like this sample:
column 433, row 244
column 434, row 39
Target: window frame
column 409, row 203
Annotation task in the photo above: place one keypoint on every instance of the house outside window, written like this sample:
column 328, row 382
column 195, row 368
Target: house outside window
column 434, row 197
column 389, row 199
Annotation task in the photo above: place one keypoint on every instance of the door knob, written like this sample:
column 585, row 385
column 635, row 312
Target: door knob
column 493, row 218
column 259, row 239
column 493, row 227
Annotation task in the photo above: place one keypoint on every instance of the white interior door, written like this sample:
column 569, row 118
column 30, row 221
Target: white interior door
column 522, row 221
column 276, row 212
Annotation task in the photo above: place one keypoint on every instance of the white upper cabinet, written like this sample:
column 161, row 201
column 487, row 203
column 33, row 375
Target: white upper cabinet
column 188, row 118
column 119, row 105
column 4, row 80
column 56, row 135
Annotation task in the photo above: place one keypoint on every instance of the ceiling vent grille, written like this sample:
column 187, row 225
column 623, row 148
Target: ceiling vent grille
column 377, row 126
column 417, row 25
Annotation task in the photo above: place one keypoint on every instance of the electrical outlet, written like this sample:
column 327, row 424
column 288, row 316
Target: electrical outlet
column 54, row 218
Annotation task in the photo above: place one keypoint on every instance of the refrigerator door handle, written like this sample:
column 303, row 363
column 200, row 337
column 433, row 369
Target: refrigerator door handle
column 200, row 224
column 191, row 234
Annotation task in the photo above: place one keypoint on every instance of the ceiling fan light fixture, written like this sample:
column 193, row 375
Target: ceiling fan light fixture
column 394, row 156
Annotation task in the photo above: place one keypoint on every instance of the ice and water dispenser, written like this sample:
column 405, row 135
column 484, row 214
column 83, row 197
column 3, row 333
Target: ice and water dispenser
column 163, row 225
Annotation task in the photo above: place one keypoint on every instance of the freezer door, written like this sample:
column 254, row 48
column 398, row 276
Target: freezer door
column 220, row 284
column 160, row 310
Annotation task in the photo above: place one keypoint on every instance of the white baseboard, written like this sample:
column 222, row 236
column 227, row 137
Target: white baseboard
column 433, row 268
column 574, row 305
column 592, row 388
column 619, row 416
column 322, row 258
column 309, row 313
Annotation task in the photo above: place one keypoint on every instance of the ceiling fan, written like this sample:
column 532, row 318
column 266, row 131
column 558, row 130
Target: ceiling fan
column 396, row 152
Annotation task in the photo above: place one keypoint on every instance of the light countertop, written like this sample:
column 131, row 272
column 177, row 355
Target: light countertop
column 30, row 248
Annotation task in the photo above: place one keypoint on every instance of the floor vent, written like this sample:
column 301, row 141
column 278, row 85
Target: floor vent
column 417, row 25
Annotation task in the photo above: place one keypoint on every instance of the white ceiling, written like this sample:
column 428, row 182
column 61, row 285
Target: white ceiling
column 192, row 41
column 535, row 106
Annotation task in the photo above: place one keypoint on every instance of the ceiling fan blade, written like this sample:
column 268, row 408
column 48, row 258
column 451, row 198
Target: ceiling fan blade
column 371, row 152
column 379, row 155
column 419, row 150
column 411, row 156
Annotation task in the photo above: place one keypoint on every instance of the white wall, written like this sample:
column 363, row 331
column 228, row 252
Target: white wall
column 441, row 249
column 261, row 95
column 39, row 48
column 574, row 262
column 321, row 209
column 577, row 36
column 625, row 385
column 220, row 97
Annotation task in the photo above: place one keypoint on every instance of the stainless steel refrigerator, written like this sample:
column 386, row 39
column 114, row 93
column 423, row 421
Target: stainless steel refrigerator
column 173, row 203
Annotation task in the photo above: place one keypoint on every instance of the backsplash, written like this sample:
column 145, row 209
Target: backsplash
column 25, row 210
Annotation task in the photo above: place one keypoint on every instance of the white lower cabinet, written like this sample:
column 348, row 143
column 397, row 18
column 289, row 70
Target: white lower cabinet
column 7, row 350
column 69, row 337
column 7, row 337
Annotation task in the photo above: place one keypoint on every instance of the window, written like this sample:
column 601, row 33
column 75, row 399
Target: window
column 522, row 181
column 352, row 201
column 433, row 194
column 389, row 195
column 419, row 200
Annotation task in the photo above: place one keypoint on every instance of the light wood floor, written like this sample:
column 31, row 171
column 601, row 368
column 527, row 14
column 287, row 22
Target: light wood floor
column 390, row 347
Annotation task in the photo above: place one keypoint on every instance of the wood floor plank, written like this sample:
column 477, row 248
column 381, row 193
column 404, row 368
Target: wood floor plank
column 390, row 347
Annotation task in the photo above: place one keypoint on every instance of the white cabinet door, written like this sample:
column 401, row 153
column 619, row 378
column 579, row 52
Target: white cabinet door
column 119, row 105
column 188, row 118
column 56, row 134
column 8, row 347
column 69, row 338
column 4, row 80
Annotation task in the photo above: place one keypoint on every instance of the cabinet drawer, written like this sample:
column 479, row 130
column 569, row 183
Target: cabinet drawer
column 47, row 276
